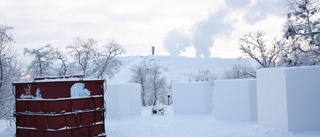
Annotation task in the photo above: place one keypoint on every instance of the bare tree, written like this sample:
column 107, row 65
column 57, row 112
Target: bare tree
column 62, row 58
column 203, row 75
column 254, row 46
column 292, row 56
column 158, row 83
column 10, row 70
column 154, row 85
column 106, row 61
column 140, row 75
column 43, row 60
column 83, row 53
column 239, row 72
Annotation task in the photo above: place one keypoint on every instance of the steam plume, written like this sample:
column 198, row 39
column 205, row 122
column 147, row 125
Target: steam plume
column 176, row 42
column 205, row 30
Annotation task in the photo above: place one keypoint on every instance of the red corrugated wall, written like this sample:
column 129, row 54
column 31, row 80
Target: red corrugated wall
column 57, row 114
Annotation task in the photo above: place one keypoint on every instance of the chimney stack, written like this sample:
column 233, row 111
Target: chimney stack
column 153, row 49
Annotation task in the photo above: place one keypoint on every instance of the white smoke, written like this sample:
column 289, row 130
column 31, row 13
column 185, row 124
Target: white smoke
column 176, row 42
column 236, row 4
column 215, row 25
column 205, row 31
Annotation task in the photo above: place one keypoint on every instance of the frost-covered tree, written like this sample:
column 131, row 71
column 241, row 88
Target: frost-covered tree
column 254, row 45
column 140, row 75
column 158, row 83
column 292, row 56
column 239, row 72
column 154, row 86
column 42, row 62
column 92, row 62
column 83, row 53
column 10, row 70
column 106, row 62
column 58, row 55
column 203, row 75
column 303, row 30
column 303, row 21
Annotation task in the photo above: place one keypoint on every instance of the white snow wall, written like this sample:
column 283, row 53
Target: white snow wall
column 192, row 98
column 123, row 100
column 289, row 98
column 235, row 100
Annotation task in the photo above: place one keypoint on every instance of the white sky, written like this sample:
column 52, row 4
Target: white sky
column 137, row 25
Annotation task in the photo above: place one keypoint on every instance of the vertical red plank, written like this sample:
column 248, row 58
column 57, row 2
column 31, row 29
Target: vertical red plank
column 96, row 102
column 97, row 129
column 59, row 133
column 21, row 106
column 30, row 121
column 35, row 133
column 99, row 117
column 56, row 122
column 47, row 106
column 35, row 106
column 73, row 120
column 20, row 120
column 64, row 106
column 80, row 103
column 41, row 122
column 87, row 118
column 81, row 132
column 22, row 133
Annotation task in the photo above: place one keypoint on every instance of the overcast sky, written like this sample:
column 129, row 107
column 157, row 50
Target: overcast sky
column 206, row 28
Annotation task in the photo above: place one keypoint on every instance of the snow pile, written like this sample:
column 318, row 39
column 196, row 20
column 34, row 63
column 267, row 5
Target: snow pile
column 289, row 98
column 123, row 100
column 78, row 90
column 235, row 100
column 23, row 96
column 192, row 98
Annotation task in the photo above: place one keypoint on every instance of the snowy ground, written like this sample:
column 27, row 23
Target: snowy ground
column 6, row 130
column 171, row 125
column 190, row 126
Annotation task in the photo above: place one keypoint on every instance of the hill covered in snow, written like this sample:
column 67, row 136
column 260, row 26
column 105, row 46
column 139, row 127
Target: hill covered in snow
column 178, row 68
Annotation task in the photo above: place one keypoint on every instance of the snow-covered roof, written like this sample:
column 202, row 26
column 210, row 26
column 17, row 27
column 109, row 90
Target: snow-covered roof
column 58, row 80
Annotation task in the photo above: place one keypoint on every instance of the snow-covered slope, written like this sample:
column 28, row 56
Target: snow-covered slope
column 178, row 68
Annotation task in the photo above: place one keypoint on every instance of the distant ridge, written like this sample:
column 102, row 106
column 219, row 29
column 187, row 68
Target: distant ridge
column 178, row 68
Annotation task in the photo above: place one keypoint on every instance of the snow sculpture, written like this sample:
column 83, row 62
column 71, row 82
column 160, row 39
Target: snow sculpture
column 27, row 93
column 235, row 100
column 78, row 90
column 289, row 98
column 192, row 98
column 38, row 94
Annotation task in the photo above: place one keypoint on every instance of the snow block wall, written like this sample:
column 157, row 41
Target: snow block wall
column 192, row 98
column 235, row 100
column 123, row 100
column 289, row 98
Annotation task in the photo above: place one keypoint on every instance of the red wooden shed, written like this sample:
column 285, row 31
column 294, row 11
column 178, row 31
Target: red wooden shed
column 45, row 107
